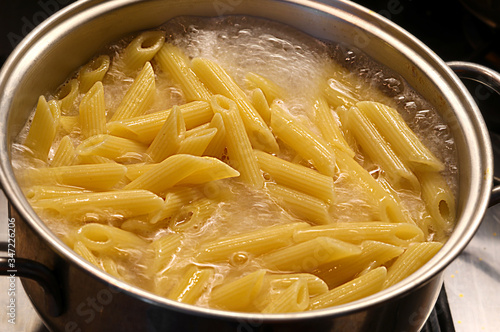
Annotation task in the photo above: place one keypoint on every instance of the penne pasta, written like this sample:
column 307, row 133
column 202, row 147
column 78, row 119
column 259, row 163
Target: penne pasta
column 294, row 299
column 106, row 239
column 93, row 72
column 193, row 283
column 93, row 112
column 42, row 131
column 197, row 143
column 142, row 49
column 111, row 147
column 270, row 89
column 167, row 141
column 65, row 154
column 67, row 96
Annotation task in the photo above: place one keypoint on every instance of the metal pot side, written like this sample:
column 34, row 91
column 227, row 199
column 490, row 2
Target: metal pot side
column 94, row 301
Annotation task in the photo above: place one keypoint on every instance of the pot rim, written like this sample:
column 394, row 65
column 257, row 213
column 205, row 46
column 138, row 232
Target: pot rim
column 363, row 18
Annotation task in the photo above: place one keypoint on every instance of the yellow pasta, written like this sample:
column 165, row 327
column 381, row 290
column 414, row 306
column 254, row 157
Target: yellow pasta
column 294, row 299
column 93, row 111
column 111, row 147
column 65, row 154
column 308, row 255
column 67, row 95
column 217, row 144
column 42, row 131
column 142, row 49
column 139, row 96
column 39, row 192
column 146, row 127
column 193, row 283
column 108, row 239
column 296, row 176
column 168, row 139
column 93, row 72
column 182, row 168
column 172, row 60
column 271, row 90
column 261, row 105
column 197, row 143
column 363, row 286
column 304, row 142
column 239, row 148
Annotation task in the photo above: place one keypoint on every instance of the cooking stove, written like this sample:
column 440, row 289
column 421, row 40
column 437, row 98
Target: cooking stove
column 469, row 300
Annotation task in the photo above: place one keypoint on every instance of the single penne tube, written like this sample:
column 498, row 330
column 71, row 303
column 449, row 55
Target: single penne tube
column 402, row 139
column 65, row 154
column 385, row 201
column 307, row 256
column 238, row 295
column 110, row 266
column 239, row 148
column 92, row 111
column 379, row 151
column 251, row 243
column 67, row 96
column 82, row 250
column 296, row 176
column 172, row 60
column 328, row 125
column 197, row 143
column 105, row 239
column 163, row 250
column 302, row 205
column 138, row 97
column 338, row 93
column 296, row 135
column 93, row 177
column 112, row 147
column 399, row 234
column 373, row 254
column 142, row 49
column 42, row 130
column 39, row 192
column 167, row 141
column 294, row 299
column 94, row 71
column 358, row 288
column 192, row 284
column 125, row 203
column 219, row 82
column 146, row 127
column 261, row 105
column 270, row 89
column 439, row 200
column 410, row 261
column 315, row 285
column 175, row 199
column 217, row 145
column 182, row 169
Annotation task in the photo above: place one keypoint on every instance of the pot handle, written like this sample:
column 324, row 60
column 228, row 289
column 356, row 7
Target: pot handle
column 491, row 79
column 12, row 267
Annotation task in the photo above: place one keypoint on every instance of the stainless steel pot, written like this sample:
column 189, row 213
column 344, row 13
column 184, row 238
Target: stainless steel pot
column 72, row 295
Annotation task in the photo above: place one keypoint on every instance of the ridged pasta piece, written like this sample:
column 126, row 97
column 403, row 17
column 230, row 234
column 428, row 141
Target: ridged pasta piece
column 93, row 111
column 105, row 239
column 315, row 285
column 145, row 128
column 36, row 193
column 294, row 299
column 172, row 60
column 270, row 89
column 410, row 261
column 112, row 147
column 238, row 295
column 251, row 243
column 402, row 139
column 168, row 139
column 302, row 205
column 142, row 49
column 399, row 234
column 197, row 143
column 138, row 97
column 218, row 143
column 307, row 256
column 379, row 151
column 193, row 216
column 261, row 105
column 42, row 131
column 325, row 121
column 93, row 177
column 65, row 154
column 69, row 123
column 373, row 254
column 219, row 82
column 192, row 284
column 94, row 71
column 163, row 250
column 358, row 288
column 175, row 199
column 239, row 148
column 340, row 93
column 67, row 95
column 296, row 176
column 182, row 169
column 439, row 200
column 309, row 146
column 101, row 205
column 82, row 250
